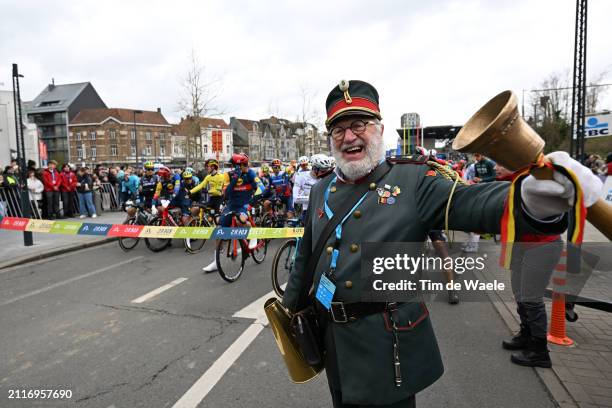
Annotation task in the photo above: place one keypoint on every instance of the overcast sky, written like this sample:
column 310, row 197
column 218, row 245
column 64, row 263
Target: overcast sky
column 442, row 59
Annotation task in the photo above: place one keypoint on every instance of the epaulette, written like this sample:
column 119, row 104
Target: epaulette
column 408, row 159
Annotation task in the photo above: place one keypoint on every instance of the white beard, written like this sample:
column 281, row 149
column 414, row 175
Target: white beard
column 354, row 170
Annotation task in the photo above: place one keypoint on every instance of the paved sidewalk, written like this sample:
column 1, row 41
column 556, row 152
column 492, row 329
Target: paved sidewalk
column 13, row 252
column 581, row 374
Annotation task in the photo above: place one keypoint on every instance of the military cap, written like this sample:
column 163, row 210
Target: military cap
column 351, row 98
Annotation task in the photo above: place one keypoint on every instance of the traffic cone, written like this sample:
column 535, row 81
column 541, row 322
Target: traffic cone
column 556, row 334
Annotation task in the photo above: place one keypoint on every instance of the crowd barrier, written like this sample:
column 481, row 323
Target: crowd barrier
column 145, row 231
column 105, row 199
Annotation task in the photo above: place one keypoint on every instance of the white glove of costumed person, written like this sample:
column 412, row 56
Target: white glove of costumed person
column 546, row 198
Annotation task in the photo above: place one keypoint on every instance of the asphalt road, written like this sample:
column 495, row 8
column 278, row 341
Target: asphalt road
column 69, row 323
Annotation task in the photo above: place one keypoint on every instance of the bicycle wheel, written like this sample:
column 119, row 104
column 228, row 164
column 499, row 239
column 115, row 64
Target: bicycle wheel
column 194, row 245
column 282, row 265
column 157, row 244
column 128, row 243
column 260, row 251
column 230, row 256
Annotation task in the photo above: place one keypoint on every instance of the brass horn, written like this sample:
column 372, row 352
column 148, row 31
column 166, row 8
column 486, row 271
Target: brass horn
column 299, row 370
column 498, row 131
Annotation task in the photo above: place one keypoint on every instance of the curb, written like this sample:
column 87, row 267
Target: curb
column 557, row 391
column 55, row 252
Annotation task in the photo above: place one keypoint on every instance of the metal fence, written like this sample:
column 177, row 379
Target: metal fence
column 105, row 199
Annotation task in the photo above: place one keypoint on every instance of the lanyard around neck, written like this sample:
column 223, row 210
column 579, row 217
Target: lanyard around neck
column 329, row 213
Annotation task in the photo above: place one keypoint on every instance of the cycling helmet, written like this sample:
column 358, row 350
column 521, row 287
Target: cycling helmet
column 265, row 168
column 321, row 162
column 303, row 160
column 149, row 165
column 187, row 174
column 212, row 163
column 433, row 152
column 276, row 163
column 164, row 172
column 189, row 170
column 240, row 159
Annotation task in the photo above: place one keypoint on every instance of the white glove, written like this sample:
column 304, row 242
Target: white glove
column 546, row 198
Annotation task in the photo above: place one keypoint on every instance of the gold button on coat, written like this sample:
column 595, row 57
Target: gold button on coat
column 330, row 249
column 372, row 186
column 348, row 284
column 357, row 214
column 354, row 247
column 333, row 189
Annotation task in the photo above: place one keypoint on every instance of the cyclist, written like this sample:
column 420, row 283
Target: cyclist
column 304, row 180
column 148, row 184
column 195, row 178
column 168, row 187
column 303, row 161
column 281, row 189
column 213, row 183
column 242, row 185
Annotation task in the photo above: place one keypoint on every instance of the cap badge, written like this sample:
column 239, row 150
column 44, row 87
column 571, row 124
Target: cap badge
column 344, row 87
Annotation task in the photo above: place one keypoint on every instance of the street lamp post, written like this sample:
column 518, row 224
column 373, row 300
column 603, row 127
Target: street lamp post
column 136, row 135
column 25, row 195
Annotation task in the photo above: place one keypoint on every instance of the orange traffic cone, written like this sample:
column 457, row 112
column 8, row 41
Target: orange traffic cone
column 556, row 334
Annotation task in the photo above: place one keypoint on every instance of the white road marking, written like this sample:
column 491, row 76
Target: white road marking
column 201, row 388
column 159, row 290
column 67, row 281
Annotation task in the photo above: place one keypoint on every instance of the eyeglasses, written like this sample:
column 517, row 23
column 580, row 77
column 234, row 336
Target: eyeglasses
column 358, row 127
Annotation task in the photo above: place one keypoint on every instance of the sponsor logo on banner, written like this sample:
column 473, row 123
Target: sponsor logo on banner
column 597, row 126
column 230, row 233
column 14, row 223
column 94, row 229
column 194, row 232
column 154, row 231
column 66, row 227
column 294, row 232
column 120, row 230
column 40, row 225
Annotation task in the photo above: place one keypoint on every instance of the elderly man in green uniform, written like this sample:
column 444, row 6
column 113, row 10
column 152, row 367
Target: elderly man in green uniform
column 382, row 354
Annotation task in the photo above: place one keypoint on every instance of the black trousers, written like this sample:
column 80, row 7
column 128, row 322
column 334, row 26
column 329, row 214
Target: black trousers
column 52, row 198
column 68, row 203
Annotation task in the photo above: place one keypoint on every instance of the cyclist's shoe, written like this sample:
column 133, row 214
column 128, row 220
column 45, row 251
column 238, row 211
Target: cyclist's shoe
column 252, row 243
column 210, row 268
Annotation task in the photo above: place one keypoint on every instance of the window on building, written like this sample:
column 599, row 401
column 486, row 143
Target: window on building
column 148, row 135
column 205, row 148
column 133, row 134
column 113, row 150
column 78, row 135
column 113, row 135
column 133, row 150
column 162, row 136
column 79, row 153
column 94, row 151
column 148, row 150
column 228, row 149
column 162, row 151
column 92, row 135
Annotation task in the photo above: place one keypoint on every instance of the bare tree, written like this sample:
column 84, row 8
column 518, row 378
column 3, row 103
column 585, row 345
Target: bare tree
column 308, row 115
column 199, row 98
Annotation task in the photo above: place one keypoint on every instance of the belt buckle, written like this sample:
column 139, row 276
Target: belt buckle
column 344, row 318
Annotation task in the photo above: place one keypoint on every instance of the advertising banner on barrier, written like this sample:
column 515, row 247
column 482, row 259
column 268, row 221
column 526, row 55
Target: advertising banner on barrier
column 40, row 225
column 66, row 227
column 130, row 231
column 95, row 229
column 14, row 223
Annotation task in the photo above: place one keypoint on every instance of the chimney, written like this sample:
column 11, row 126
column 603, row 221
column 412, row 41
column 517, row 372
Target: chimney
column 158, row 110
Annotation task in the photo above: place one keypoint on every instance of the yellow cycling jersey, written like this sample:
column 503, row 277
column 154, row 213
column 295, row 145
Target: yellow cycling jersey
column 214, row 185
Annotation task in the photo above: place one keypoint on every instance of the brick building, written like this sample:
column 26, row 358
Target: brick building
column 106, row 136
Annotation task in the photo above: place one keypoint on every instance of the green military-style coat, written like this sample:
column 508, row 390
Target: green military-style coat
column 359, row 354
